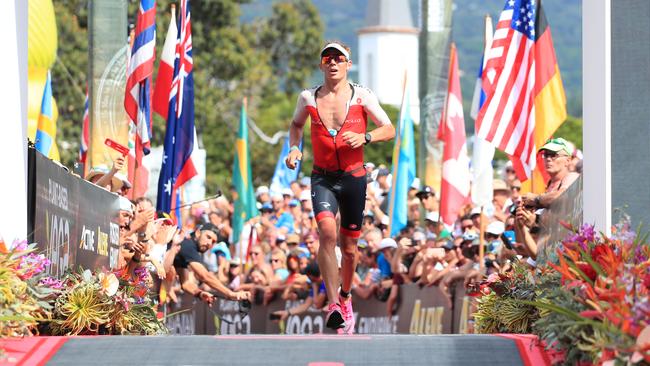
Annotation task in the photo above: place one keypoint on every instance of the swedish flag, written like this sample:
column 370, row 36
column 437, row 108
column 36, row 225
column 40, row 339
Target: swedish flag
column 46, row 128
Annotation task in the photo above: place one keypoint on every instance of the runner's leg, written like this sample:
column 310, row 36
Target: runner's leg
column 325, row 206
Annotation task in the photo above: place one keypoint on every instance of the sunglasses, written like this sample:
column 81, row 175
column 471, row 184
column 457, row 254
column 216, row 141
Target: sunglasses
column 324, row 60
column 551, row 155
column 516, row 188
column 467, row 227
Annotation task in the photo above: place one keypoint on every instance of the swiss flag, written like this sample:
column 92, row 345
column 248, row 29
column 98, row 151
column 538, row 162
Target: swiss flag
column 166, row 69
column 455, row 186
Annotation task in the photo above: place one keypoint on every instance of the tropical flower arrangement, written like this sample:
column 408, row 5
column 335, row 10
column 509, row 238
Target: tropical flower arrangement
column 105, row 303
column 86, row 303
column 593, row 305
column 23, row 302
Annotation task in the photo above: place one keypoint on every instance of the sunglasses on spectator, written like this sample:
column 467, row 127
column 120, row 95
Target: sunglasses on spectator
column 510, row 170
column 515, row 188
column 467, row 227
column 551, row 155
column 324, row 60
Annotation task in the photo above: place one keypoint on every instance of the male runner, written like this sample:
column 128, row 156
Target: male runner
column 338, row 111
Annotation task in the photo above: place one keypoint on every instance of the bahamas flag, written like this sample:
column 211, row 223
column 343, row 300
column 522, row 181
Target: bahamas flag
column 46, row 128
column 245, row 207
column 404, row 168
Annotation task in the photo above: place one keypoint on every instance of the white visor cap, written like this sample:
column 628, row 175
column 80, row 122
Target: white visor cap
column 337, row 47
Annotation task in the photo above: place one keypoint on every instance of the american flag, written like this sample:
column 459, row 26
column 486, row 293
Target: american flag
column 137, row 99
column 507, row 119
column 85, row 133
column 177, row 167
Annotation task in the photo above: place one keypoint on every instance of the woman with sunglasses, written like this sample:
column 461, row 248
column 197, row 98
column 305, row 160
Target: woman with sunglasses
column 339, row 111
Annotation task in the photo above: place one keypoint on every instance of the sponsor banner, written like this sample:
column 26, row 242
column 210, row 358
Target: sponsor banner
column 74, row 221
column 419, row 311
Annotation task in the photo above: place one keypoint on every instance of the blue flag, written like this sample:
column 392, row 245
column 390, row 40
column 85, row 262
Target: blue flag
column 404, row 167
column 283, row 176
column 177, row 167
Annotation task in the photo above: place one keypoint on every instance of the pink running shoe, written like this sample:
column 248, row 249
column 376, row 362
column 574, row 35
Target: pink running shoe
column 334, row 318
column 348, row 315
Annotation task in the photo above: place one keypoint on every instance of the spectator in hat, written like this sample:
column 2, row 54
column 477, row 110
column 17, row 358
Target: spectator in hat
column 492, row 236
column 305, row 200
column 105, row 178
column 262, row 194
column 427, row 197
column 501, row 199
column 305, row 183
column 433, row 224
column 381, row 186
column 557, row 154
column 385, row 251
column 282, row 220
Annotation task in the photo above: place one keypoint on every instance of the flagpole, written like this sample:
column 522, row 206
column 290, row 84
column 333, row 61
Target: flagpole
column 481, row 240
column 398, row 141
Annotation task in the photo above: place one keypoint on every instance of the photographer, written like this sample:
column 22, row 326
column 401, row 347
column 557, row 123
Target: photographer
column 189, row 258
column 557, row 154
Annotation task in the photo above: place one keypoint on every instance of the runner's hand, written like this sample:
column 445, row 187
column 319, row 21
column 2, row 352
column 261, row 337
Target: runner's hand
column 354, row 140
column 293, row 157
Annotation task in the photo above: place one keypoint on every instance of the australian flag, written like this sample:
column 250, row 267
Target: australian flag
column 177, row 167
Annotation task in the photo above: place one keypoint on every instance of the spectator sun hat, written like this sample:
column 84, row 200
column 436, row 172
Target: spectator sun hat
column 261, row 190
column 558, row 144
column 305, row 195
column 386, row 243
column 495, row 228
column 425, row 191
column 432, row 216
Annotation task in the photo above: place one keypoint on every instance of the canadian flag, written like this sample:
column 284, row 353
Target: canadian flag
column 455, row 186
column 166, row 69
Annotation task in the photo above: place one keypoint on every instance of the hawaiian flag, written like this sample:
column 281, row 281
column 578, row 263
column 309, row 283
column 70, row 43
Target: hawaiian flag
column 137, row 99
column 177, row 167
column 455, row 187
column 85, row 133
column 525, row 98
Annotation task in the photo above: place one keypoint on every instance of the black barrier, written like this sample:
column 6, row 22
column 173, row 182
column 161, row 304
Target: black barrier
column 420, row 311
column 74, row 221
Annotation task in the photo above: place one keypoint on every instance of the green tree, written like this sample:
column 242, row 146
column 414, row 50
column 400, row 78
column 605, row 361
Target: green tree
column 293, row 35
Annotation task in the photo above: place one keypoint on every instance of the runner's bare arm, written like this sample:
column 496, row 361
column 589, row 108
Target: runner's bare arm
column 385, row 130
column 296, row 130
column 298, row 121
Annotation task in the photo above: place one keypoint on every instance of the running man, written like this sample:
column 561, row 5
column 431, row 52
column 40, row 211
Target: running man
column 338, row 110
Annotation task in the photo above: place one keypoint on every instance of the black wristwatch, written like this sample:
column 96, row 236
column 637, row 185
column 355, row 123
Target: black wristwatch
column 368, row 138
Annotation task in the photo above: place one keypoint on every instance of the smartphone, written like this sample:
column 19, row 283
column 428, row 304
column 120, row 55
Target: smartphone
column 117, row 147
column 274, row 316
column 506, row 241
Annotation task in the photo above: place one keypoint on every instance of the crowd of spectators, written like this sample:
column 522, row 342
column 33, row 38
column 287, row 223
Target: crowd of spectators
column 280, row 262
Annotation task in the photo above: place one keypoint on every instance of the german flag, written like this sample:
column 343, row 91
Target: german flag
column 550, row 101
column 525, row 99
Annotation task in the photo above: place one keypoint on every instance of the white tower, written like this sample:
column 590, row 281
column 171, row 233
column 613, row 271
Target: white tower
column 388, row 46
